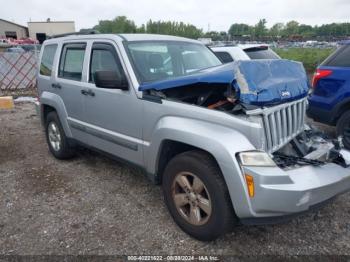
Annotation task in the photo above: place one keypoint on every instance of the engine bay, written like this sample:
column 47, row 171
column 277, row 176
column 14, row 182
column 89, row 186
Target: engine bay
column 220, row 97
column 311, row 147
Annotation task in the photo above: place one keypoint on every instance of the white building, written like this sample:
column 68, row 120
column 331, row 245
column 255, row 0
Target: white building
column 41, row 30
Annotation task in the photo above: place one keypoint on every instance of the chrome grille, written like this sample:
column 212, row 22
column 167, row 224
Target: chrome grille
column 281, row 123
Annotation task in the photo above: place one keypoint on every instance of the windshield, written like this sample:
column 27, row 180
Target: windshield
column 159, row 60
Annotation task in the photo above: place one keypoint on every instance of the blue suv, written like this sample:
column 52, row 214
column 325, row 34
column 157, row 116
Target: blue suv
column 329, row 102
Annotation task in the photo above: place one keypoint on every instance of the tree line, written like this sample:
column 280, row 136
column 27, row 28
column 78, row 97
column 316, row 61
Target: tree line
column 121, row 24
column 291, row 30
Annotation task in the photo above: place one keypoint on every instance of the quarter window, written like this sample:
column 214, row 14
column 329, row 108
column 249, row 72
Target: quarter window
column 47, row 60
column 72, row 60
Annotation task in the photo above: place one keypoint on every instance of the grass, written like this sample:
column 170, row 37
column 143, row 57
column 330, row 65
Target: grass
column 310, row 57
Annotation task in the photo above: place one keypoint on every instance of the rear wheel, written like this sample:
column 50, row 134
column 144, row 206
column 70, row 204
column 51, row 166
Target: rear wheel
column 56, row 138
column 197, row 197
column 343, row 128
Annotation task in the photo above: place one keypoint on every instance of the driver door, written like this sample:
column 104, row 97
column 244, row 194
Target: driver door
column 113, row 116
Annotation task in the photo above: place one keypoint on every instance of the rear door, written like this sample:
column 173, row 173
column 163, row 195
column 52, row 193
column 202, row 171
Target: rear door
column 68, row 85
column 113, row 116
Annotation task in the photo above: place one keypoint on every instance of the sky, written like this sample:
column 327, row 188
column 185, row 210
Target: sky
column 206, row 14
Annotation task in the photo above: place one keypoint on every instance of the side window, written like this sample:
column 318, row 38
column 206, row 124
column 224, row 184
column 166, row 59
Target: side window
column 224, row 57
column 71, row 62
column 47, row 60
column 104, row 58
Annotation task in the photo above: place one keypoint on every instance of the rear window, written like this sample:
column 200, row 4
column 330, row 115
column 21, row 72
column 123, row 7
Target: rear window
column 340, row 58
column 225, row 57
column 47, row 60
column 261, row 53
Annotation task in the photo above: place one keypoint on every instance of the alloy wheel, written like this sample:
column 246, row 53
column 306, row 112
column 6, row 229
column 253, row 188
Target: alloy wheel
column 54, row 136
column 191, row 198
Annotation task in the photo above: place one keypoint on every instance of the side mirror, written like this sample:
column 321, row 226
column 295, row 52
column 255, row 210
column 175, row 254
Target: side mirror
column 111, row 80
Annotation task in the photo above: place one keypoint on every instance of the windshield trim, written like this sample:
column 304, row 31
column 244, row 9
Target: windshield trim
column 137, row 75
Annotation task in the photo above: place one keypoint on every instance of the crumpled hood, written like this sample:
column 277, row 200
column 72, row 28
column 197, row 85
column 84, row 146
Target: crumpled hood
column 264, row 82
column 256, row 82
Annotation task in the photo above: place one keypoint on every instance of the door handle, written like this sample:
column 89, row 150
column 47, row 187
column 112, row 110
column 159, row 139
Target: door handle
column 56, row 85
column 87, row 92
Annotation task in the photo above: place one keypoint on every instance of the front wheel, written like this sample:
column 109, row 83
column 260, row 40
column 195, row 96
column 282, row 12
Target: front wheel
column 343, row 128
column 197, row 197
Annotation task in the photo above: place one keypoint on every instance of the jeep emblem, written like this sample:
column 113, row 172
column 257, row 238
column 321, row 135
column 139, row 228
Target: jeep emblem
column 285, row 93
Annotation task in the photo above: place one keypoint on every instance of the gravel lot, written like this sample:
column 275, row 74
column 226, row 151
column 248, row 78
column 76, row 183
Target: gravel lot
column 93, row 205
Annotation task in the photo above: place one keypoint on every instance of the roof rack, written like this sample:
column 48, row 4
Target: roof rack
column 82, row 32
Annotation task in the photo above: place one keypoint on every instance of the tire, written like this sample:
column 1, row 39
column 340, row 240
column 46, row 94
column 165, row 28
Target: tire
column 343, row 128
column 61, row 149
column 221, row 218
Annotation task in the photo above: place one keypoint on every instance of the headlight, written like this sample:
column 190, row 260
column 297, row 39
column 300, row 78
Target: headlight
column 255, row 158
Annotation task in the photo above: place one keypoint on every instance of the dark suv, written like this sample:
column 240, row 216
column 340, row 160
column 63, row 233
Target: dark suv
column 329, row 102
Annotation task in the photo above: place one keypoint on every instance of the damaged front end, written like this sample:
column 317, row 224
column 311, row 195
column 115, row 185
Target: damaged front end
column 291, row 142
column 271, row 93
column 311, row 147
column 241, row 84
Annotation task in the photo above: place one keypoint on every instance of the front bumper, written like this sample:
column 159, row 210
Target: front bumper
column 280, row 193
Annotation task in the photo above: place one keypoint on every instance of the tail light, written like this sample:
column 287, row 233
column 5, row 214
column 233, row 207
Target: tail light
column 320, row 73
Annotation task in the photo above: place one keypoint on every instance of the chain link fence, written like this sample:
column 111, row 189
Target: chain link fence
column 17, row 73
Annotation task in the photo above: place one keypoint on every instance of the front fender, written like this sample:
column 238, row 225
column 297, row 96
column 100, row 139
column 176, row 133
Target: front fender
column 55, row 101
column 221, row 142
